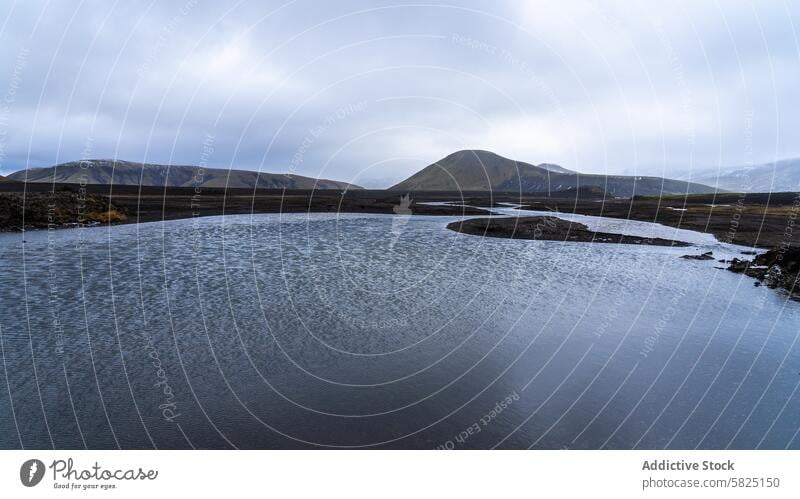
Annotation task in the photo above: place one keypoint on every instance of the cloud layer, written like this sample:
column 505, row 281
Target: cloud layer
column 369, row 92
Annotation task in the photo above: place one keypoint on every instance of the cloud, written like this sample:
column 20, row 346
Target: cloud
column 623, row 88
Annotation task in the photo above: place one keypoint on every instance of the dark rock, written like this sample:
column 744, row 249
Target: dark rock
column 708, row 255
column 777, row 268
column 40, row 210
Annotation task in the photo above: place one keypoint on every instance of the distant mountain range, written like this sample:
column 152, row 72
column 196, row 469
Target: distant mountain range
column 476, row 170
column 117, row 172
column 780, row 176
column 467, row 170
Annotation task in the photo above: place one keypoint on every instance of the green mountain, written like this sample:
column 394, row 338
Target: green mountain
column 476, row 170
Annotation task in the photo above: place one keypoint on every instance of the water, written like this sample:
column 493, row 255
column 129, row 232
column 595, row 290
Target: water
column 284, row 331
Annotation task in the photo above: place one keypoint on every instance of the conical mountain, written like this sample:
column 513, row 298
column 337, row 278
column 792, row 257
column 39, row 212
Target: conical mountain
column 477, row 170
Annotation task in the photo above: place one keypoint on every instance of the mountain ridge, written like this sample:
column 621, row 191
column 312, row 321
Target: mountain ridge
column 121, row 172
column 777, row 176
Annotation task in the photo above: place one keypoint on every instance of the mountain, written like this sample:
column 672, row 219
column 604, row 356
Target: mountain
column 104, row 171
column 554, row 168
column 475, row 170
column 3, row 179
column 780, row 176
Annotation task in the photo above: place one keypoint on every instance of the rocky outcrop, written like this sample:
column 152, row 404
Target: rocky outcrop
column 708, row 255
column 777, row 268
column 56, row 209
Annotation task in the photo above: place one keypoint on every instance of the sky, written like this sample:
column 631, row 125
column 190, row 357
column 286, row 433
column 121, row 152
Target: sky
column 369, row 92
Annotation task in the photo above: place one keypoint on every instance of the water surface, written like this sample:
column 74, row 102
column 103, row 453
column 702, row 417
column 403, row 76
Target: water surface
column 339, row 330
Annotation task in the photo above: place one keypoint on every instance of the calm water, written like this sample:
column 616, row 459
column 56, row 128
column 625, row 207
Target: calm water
column 273, row 331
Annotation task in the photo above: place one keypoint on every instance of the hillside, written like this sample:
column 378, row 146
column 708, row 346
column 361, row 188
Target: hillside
column 101, row 171
column 781, row 176
column 475, row 170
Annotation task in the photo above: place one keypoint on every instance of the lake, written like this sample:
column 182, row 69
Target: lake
column 345, row 330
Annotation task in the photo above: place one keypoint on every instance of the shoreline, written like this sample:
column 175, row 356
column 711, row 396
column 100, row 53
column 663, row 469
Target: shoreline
column 67, row 205
column 753, row 220
column 762, row 221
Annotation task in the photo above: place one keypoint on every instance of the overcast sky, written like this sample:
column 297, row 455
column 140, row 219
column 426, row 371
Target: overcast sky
column 371, row 91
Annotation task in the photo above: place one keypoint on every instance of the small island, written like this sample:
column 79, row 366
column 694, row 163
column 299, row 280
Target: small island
column 545, row 228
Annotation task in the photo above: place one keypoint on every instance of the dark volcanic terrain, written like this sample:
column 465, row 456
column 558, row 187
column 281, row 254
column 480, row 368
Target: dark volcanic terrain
column 34, row 206
column 756, row 220
column 548, row 229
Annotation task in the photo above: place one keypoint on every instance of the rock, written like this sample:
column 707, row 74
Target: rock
column 777, row 268
column 708, row 255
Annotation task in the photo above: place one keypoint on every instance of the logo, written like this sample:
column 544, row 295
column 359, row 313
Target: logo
column 31, row 472
column 400, row 220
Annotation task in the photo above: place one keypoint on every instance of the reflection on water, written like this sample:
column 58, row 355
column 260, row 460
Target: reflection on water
column 277, row 331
